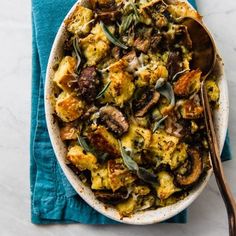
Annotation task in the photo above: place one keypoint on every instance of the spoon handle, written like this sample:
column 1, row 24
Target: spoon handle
column 217, row 164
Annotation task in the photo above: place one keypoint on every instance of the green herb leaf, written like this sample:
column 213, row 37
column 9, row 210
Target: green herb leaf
column 77, row 53
column 82, row 142
column 126, row 22
column 103, row 90
column 179, row 73
column 137, row 17
column 146, row 176
column 128, row 161
column 166, row 90
column 111, row 37
column 141, row 172
column 158, row 123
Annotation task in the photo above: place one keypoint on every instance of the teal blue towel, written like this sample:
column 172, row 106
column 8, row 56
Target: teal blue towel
column 53, row 200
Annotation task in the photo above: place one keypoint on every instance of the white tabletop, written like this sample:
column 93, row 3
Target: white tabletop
column 207, row 215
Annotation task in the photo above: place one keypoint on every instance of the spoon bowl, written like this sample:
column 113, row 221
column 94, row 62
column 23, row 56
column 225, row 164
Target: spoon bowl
column 204, row 50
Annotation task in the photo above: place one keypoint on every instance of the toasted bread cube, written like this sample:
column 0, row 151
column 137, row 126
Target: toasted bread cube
column 188, row 83
column 99, row 178
column 95, row 46
column 163, row 144
column 64, row 75
column 119, row 176
column 104, row 141
column 81, row 159
column 69, row 132
column 141, row 190
column 178, row 156
column 213, row 90
column 166, row 185
column 69, row 107
column 127, row 207
column 147, row 77
column 191, row 110
column 122, row 87
column 79, row 21
column 137, row 136
column 183, row 9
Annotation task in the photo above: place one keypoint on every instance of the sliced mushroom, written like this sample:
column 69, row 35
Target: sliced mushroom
column 114, row 120
column 88, row 83
column 108, row 16
column 155, row 42
column 145, row 102
column 112, row 198
column 196, row 170
column 142, row 44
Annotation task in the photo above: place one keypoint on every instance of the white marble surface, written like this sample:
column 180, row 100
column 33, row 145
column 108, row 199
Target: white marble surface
column 207, row 214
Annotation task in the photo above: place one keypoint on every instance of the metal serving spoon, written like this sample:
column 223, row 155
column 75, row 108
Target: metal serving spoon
column 204, row 57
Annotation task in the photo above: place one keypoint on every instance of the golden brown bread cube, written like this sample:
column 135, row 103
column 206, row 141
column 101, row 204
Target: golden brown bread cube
column 64, row 76
column 104, row 141
column 119, row 176
column 79, row 21
column 166, row 185
column 137, row 135
column 95, row 46
column 163, row 145
column 69, row 107
column 122, row 87
column 188, row 83
column 127, row 207
column 69, row 132
column 213, row 90
column 81, row 159
column 99, row 178
column 191, row 110
column 182, row 9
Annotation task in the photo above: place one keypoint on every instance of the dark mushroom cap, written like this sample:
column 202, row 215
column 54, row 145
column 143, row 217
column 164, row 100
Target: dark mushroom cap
column 109, row 197
column 143, row 104
column 196, row 170
column 88, row 83
column 114, row 120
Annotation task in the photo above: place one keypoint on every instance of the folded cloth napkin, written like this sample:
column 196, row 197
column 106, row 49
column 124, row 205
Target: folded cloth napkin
column 53, row 200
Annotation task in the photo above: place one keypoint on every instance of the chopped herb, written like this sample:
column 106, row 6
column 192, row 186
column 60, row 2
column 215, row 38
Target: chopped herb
column 158, row 123
column 166, row 90
column 103, row 90
column 141, row 172
column 111, row 37
column 179, row 73
column 77, row 53
column 127, row 21
column 82, row 142
column 137, row 17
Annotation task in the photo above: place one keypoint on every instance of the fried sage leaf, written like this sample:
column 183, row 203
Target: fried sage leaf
column 167, row 91
column 82, row 142
column 77, row 53
column 111, row 37
column 102, row 157
column 158, row 123
column 141, row 172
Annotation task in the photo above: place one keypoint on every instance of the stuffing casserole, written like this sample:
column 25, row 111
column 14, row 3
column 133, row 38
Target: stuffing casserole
column 127, row 102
